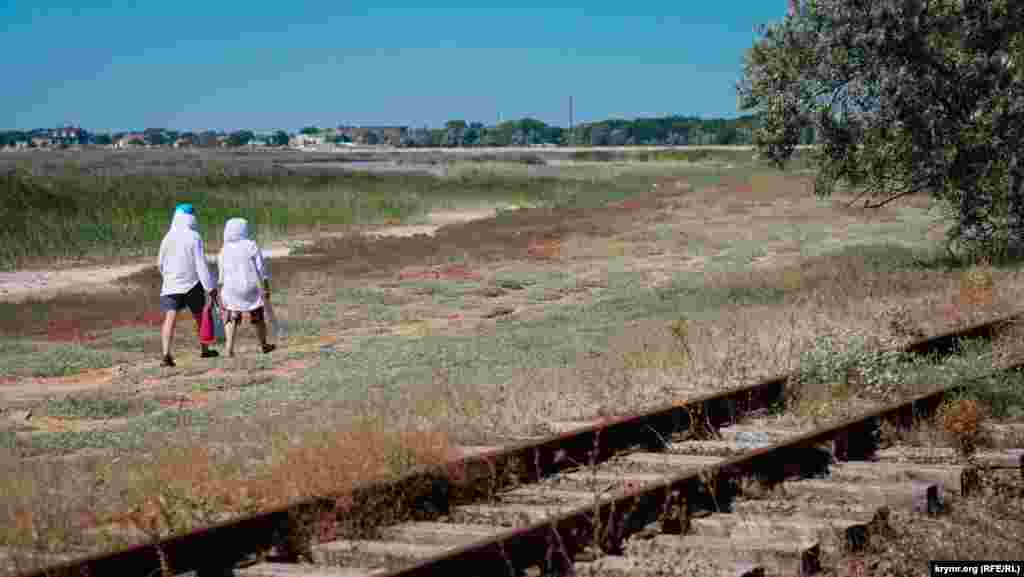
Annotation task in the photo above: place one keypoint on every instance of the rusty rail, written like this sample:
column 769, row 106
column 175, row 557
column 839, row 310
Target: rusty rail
column 554, row 543
column 430, row 491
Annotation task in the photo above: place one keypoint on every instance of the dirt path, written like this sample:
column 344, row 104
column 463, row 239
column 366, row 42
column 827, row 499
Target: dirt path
column 21, row 285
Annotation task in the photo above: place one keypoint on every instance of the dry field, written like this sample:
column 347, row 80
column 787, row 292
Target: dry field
column 395, row 351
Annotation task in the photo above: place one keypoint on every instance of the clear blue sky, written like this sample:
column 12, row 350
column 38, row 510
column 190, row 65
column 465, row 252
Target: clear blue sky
column 225, row 64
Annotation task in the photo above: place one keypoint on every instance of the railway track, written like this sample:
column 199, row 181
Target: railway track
column 635, row 496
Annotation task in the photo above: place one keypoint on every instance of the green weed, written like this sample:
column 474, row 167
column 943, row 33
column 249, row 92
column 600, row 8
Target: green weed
column 53, row 361
column 213, row 384
column 64, row 360
column 856, row 369
column 98, row 407
column 361, row 296
column 444, row 293
column 78, row 214
column 131, row 436
column 132, row 340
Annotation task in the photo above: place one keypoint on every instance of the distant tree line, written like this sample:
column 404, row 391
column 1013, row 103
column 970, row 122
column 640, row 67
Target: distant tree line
column 663, row 131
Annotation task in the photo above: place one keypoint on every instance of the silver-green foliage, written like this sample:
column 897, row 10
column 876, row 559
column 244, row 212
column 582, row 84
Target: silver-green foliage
column 905, row 97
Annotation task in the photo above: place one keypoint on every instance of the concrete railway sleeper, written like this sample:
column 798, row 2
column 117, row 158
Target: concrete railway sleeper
column 671, row 479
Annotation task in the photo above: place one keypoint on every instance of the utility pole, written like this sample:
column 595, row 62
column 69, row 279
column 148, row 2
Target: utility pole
column 570, row 121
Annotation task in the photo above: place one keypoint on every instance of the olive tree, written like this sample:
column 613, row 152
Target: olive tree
column 905, row 97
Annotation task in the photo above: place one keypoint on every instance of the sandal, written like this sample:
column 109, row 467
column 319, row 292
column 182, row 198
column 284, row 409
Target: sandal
column 167, row 361
column 268, row 348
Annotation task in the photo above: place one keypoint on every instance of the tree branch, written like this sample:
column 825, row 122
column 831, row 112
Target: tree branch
column 890, row 199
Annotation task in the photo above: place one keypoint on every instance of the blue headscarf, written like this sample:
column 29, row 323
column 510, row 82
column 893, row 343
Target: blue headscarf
column 184, row 208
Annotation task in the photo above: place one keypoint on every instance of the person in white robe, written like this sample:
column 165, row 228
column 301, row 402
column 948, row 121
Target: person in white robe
column 244, row 283
column 187, row 281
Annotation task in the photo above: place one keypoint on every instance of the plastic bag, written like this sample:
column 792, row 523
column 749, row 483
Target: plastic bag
column 207, row 330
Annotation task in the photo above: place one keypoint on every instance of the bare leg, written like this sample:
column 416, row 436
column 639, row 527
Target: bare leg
column 261, row 332
column 167, row 331
column 230, row 327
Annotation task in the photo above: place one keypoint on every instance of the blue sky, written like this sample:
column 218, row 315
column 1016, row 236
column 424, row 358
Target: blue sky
column 225, row 65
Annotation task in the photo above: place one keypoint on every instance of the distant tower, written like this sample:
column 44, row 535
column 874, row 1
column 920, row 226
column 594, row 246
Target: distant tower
column 571, row 119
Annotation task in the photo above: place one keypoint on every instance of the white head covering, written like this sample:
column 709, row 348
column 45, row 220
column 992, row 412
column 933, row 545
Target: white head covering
column 242, row 268
column 182, row 259
column 236, row 229
column 184, row 220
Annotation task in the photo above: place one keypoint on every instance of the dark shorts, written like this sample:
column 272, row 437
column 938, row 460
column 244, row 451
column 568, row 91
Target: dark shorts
column 255, row 316
column 194, row 299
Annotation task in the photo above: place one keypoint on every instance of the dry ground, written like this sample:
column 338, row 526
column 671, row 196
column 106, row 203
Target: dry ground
column 396, row 349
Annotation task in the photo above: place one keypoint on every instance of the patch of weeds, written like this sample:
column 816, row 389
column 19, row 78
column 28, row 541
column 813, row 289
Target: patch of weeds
column 15, row 355
column 28, row 313
column 71, row 441
column 457, row 259
column 543, row 284
column 98, row 407
column 835, row 371
column 152, row 372
column 297, row 327
column 739, row 253
column 362, row 296
column 301, row 248
column 444, row 293
column 8, row 440
column 512, row 283
column 259, row 362
column 10, row 347
column 887, row 257
column 664, row 232
column 535, row 281
column 813, row 238
column 279, row 297
column 686, row 294
column 64, row 360
column 379, row 305
column 132, row 436
column 213, row 384
column 382, row 313
column 911, row 226
column 1002, row 392
column 131, row 340
column 851, row 368
column 328, row 311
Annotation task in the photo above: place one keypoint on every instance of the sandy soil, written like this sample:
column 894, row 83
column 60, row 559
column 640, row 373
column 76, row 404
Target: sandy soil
column 21, row 285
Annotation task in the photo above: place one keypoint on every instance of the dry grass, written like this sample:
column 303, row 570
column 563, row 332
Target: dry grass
column 687, row 290
column 985, row 526
column 114, row 500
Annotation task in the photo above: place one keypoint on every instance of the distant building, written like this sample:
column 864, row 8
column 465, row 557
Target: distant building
column 306, row 140
column 68, row 134
column 131, row 140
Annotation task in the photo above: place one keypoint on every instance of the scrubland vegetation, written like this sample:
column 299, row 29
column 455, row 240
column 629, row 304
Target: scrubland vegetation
column 627, row 283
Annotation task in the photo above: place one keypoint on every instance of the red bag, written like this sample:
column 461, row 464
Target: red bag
column 207, row 332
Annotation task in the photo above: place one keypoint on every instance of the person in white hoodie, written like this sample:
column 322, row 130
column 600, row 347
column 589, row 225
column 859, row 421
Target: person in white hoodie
column 187, row 280
column 244, row 283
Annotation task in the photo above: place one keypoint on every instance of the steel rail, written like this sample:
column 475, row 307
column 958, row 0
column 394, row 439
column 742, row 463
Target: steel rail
column 429, row 491
column 554, row 543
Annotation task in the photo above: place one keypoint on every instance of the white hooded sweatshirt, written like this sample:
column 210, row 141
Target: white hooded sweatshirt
column 182, row 257
column 242, row 268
